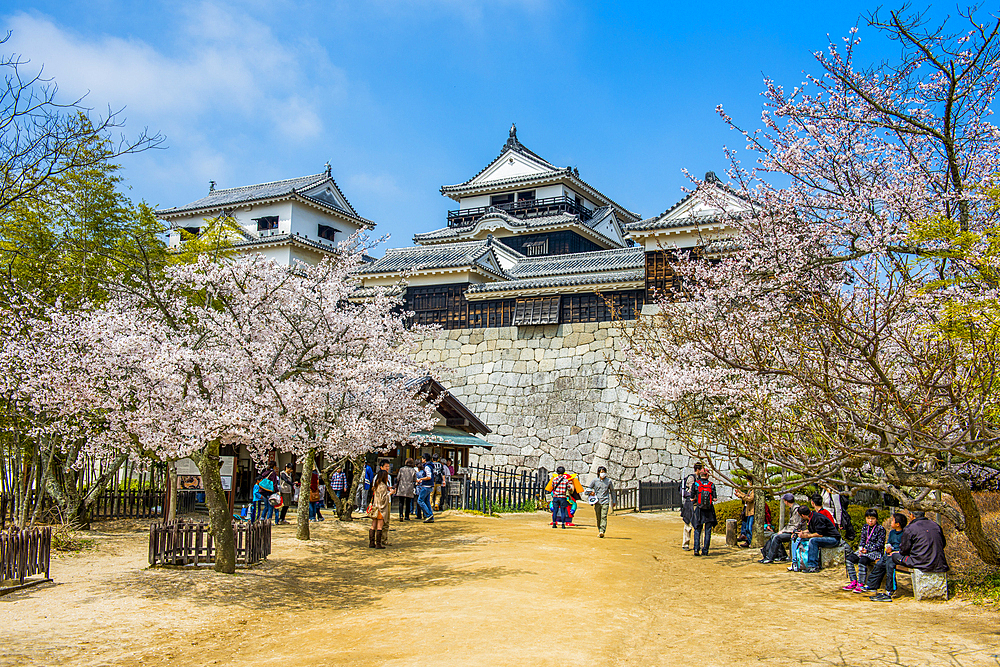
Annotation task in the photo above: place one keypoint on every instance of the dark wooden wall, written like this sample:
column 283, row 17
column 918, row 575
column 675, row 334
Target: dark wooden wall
column 560, row 243
column 446, row 305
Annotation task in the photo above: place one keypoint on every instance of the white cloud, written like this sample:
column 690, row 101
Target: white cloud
column 222, row 60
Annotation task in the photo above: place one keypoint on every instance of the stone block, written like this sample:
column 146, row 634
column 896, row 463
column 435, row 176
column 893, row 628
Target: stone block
column 930, row 585
column 831, row 557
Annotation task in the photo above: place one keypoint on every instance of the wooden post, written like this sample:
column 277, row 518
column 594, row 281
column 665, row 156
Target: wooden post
column 731, row 529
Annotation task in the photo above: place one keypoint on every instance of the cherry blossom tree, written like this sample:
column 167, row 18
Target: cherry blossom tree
column 244, row 351
column 818, row 344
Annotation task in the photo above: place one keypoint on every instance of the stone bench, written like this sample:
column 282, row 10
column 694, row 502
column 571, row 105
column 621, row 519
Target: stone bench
column 831, row 557
column 926, row 585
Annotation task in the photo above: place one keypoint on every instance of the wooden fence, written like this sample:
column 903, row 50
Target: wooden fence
column 24, row 554
column 650, row 496
column 184, row 542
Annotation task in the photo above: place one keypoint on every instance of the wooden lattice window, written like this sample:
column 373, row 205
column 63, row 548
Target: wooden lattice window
column 660, row 276
column 536, row 310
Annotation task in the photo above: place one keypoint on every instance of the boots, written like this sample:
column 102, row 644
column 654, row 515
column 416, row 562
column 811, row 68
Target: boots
column 378, row 539
column 385, row 536
column 371, row 539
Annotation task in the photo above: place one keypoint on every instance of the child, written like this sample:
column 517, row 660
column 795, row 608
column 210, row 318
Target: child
column 885, row 567
column 870, row 548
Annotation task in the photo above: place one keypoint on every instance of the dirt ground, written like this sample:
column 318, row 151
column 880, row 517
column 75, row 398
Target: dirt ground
column 472, row 590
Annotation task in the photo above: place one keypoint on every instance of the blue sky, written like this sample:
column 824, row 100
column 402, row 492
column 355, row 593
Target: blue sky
column 403, row 97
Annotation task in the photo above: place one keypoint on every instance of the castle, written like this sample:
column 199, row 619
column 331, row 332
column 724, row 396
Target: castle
column 532, row 278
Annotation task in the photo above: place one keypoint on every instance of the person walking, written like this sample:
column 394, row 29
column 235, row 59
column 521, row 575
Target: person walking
column 687, row 506
column 380, row 509
column 425, row 482
column 338, row 482
column 604, row 491
column 406, row 481
column 285, row 485
column 704, row 495
column 560, row 487
column 364, row 488
column 315, row 497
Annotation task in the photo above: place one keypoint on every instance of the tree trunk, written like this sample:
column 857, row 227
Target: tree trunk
column 305, row 484
column 757, row 480
column 358, row 465
column 987, row 547
column 219, row 519
column 171, row 491
column 43, row 483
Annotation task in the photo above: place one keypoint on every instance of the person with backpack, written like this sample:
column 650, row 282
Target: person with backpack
column 821, row 533
column 560, row 486
column 285, row 482
column 440, row 473
column 425, row 482
column 687, row 506
column 704, row 495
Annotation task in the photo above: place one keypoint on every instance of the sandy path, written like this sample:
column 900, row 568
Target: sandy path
column 477, row 591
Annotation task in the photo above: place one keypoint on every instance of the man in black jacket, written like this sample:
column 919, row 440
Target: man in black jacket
column 821, row 533
column 922, row 546
column 704, row 495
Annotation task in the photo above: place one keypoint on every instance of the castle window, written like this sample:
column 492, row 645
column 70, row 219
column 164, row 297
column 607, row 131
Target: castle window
column 266, row 223
column 326, row 232
column 497, row 200
column 193, row 231
column 526, row 195
column 537, row 310
column 536, row 248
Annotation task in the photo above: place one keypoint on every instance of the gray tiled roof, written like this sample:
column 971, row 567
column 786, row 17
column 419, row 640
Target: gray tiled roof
column 451, row 255
column 618, row 259
column 634, row 275
column 270, row 190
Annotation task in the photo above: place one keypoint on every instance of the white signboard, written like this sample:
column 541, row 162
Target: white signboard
column 189, row 477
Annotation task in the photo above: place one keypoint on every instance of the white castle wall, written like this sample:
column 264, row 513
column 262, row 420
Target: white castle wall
column 552, row 398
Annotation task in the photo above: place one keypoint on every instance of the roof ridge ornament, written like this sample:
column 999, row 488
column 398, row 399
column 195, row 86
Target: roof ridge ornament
column 710, row 177
column 211, row 186
column 328, row 168
column 512, row 141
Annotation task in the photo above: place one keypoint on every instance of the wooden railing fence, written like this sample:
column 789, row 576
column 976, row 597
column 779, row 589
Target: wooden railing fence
column 24, row 554
column 184, row 542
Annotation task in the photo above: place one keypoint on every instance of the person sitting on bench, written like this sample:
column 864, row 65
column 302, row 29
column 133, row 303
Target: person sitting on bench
column 821, row 533
column 774, row 550
column 886, row 567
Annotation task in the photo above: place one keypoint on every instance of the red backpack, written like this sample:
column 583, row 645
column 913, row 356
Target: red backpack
column 703, row 493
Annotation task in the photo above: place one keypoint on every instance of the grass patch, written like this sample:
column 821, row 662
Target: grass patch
column 982, row 587
column 69, row 541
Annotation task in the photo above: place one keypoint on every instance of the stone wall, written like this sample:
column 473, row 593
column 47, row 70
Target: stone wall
column 551, row 396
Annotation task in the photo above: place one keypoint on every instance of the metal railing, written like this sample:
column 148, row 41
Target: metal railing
column 525, row 208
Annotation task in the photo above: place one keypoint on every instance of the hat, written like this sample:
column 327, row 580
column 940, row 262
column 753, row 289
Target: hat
column 788, row 497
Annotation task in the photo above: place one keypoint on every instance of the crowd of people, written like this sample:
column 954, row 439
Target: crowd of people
column 909, row 540
column 420, row 486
